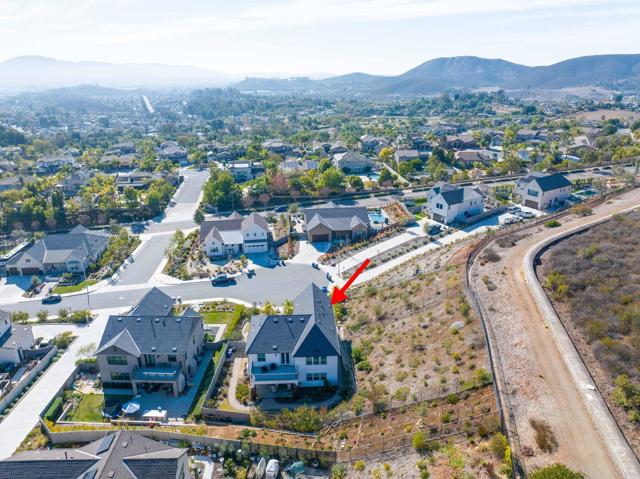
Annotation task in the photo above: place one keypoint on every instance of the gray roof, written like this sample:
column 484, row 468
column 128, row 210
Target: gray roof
column 120, row 455
column 80, row 243
column 336, row 218
column 459, row 195
column 150, row 327
column 229, row 230
column 548, row 182
column 153, row 303
column 311, row 331
column 14, row 335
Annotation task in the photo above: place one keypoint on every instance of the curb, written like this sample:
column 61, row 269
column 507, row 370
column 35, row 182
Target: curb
column 619, row 450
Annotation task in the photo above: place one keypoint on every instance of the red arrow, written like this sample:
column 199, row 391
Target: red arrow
column 338, row 294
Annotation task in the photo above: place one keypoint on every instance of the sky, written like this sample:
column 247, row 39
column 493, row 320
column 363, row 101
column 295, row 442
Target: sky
column 316, row 37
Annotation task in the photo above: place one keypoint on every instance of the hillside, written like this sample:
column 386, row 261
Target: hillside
column 468, row 72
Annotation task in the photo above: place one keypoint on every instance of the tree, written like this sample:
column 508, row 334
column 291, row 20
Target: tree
column 222, row 191
column 386, row 177
column 386, row 154
column 355, row 182
column 88, row 350
column 331, row 179
column 198, row 216
column 131, row 197
column 287, row 306
column 42, row 315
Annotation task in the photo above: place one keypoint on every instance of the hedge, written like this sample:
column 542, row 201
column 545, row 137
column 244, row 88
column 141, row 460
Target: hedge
column 54, row 409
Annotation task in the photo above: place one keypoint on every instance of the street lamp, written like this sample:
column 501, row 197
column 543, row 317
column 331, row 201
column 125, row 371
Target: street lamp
column 84, row 273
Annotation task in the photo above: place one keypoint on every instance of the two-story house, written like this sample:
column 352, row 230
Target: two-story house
column 151, row 347
column 542, row 190
column 450, row 204
column 235, row 234
column 332, row 222
column 300, row 350
column 352, row 162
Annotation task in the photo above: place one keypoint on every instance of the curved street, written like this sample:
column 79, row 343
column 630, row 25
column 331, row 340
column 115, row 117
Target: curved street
column 540, row 374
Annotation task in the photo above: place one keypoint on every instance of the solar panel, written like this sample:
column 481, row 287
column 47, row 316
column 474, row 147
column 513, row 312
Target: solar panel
column 106, row 443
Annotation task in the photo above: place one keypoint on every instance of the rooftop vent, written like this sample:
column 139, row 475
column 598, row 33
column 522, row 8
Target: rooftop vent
column 119, row 319
column 174, row 349
column 275, row 320
column 153, row 348
column 275, row 347
column 124, row 444
column 157, row 320
column 290, row 319
column 138, row 320
column 178, row 320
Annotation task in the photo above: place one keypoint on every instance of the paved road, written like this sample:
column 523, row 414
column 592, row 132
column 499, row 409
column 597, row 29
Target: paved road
column 146, row 261
column 268, row 284
column 546, row 376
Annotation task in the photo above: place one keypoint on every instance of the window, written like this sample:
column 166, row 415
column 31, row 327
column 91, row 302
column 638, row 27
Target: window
column 120, row 376
column 117, row 360
column 439, row 206
column 315, row 360
column 261, row 357
column 533, row 193
column 172, row 358
column 316, row 376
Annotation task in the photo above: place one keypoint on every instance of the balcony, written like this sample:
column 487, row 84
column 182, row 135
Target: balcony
column 283, row 373
column 156, row 374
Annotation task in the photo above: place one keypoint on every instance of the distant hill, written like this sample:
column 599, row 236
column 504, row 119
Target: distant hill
column 468, row 73
column 36, row 72
column 598, row 70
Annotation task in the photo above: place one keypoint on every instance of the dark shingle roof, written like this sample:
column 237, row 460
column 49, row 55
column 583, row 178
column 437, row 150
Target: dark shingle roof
column 153, row 303
column 459, row 195
column 310, row 332
column 552, row 182
column 335, row 217
column 50, row 464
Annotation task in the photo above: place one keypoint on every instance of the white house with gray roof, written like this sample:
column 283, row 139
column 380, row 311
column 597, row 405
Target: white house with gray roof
column 332, row 222
column 450, row 204
column 234, row 235
column 151, row 347
column 542, row 190
column 70, row 252
column 118, row 455
column 14, row 340
column 300, row 350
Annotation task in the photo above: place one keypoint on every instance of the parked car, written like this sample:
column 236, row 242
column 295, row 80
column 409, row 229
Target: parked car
column 273, row 467
column 513, row 208
column 220, row 279
column 329, row 277
column 51, row 299
column 280, row 209
column 230, row 351
column 525, row 214
column 434, row 230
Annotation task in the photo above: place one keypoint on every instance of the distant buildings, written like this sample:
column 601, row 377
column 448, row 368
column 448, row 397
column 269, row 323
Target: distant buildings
column 336, row 223
column 151, row 347
column 71, row 252
column 406, row 155
column 170, row 150
column 244, row 170
column 52, row 164
column 352, row 162
column 543, row 191
column 234, row 234
column 118, row 455
column 300, row 350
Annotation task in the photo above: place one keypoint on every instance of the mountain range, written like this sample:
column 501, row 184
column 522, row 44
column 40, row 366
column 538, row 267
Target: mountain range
column 616, row 72
column 467, row 73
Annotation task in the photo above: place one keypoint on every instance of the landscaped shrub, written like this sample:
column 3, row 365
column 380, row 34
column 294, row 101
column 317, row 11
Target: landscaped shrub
column 489, row 256
column 338, row 471
column 242, row 393
column 498, row 445
column 54, row 410
column 552, row 224
column 555, row 471
column 419, row 442
column 582, row 210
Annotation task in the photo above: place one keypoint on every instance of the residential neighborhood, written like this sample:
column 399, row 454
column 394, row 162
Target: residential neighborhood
column 285, row 260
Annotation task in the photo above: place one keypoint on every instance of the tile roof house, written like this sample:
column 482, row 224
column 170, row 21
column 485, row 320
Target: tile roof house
column 118, row 455
column 542, row 190
column 470, row 157
column 14, row 339
column 71, row 252
column 151, row 346
column 298, row 350
column 52, row 164
column 170, row 150
column 332, row 222
column 406, row 155
column 451, row 204
column 235, row 234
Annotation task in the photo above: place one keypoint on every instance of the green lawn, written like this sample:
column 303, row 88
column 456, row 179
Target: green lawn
column 74, row 288
column 420, row 216
column 217, row 317
column 89, row 409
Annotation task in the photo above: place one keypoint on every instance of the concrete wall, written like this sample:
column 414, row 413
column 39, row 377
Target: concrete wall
column 27, row 379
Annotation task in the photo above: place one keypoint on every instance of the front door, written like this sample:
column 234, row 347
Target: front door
column 150, row 359
column 284, row 358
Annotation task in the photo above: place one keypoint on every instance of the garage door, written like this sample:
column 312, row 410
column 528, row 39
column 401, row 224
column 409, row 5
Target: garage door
column 26, row 271
column 255, row 248
column 319, row 238
column 531, row 204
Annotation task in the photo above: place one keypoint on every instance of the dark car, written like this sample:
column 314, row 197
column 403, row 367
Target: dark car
column 434, row 230
column 221, row 279
column 52, row 298
column 280, row 209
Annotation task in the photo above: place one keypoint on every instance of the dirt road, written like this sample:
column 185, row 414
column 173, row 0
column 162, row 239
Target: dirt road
column 540, row 385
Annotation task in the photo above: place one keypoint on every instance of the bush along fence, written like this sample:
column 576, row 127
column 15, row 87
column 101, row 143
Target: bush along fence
column 287, row 453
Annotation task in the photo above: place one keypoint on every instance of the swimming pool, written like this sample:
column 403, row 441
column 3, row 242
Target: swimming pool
column 377, row 218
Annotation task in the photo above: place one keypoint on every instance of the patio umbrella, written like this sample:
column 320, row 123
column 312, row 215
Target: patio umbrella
column 155, row 414
column 131, row 408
